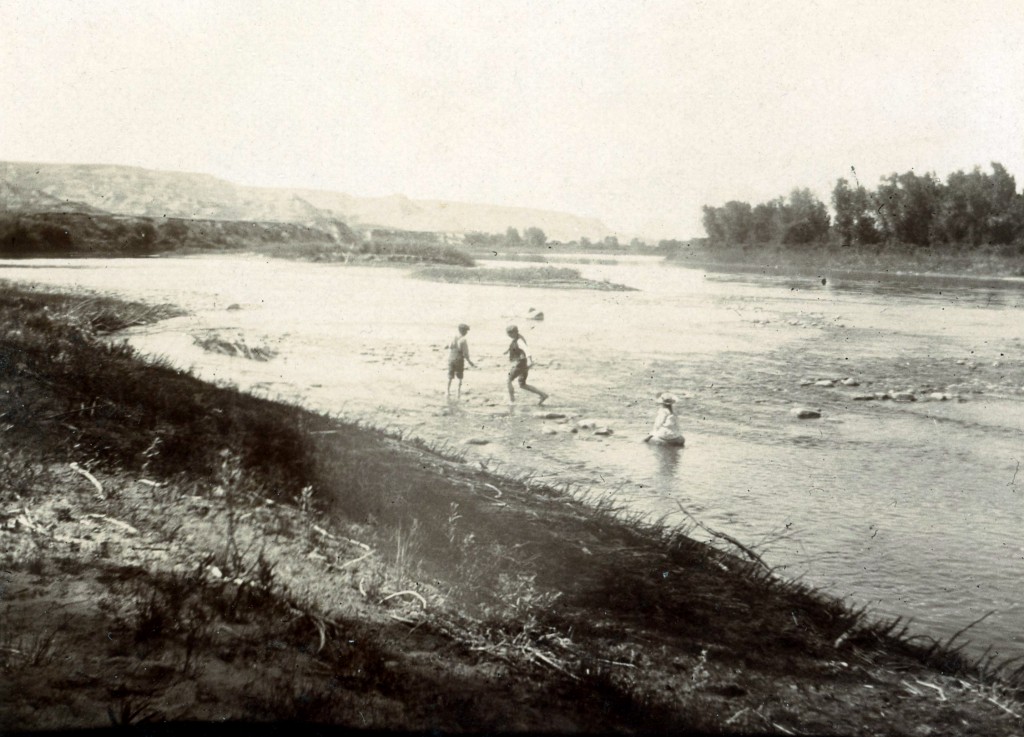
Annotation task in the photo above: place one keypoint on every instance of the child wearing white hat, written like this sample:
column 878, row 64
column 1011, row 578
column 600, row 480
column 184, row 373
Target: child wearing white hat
column 666, row 426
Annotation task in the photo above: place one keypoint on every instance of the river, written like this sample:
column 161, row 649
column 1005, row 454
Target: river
column 911, row 508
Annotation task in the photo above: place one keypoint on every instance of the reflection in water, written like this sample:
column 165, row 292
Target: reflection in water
column 668, row 464
column 1003, row 292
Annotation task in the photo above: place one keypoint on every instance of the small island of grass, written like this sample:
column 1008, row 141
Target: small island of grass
column 548, row 277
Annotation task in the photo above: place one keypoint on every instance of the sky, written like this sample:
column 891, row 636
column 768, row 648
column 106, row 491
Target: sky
column 634, row 112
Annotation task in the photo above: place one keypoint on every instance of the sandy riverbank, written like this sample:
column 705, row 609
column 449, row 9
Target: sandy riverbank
column 215, row 556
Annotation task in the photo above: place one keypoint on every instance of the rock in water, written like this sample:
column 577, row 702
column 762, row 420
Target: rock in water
column 475, row 441
column 804, row 413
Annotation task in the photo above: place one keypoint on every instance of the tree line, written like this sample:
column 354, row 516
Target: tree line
column 968, row 209
column 534, row 238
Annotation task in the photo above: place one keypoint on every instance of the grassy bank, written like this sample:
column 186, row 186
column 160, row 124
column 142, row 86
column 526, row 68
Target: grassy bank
column 528, row 276
column 176, row 551
column 994, row 261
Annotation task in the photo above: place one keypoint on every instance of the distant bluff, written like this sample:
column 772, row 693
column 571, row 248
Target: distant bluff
column 133, row 191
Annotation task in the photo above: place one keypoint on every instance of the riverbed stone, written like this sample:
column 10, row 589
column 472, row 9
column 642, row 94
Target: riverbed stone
column 825, row 382
column 864, row 397
column 603, row 430
column 549, row 415
column 548, row 430
column 475, row 441
column 850, row 382
column 904, row 397
column 805, row 413
column 592, row 423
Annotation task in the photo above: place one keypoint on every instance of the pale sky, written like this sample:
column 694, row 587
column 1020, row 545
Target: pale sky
column 634, row 112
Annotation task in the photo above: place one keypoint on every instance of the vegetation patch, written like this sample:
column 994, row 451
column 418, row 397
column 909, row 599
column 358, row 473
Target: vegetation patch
column 215, row 341
column 528, row 276
column 69, row 234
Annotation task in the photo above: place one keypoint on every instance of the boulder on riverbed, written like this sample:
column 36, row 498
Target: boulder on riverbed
column 592, row 423
column 805, row 413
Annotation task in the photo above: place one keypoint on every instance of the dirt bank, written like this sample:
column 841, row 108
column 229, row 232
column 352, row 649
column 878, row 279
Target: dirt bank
column 213, row 556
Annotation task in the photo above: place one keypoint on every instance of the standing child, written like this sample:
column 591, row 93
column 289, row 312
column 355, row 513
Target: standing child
column 521, row 361
column 458, row 357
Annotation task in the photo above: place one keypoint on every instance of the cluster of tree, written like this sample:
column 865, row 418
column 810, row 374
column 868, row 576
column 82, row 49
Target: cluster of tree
column 800, row 219
column 536, row 238
column 411, row 246
column 71, row 234
column 530, row 238
column 969, row 208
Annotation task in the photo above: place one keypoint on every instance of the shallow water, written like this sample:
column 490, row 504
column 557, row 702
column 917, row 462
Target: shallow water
column 914, row 509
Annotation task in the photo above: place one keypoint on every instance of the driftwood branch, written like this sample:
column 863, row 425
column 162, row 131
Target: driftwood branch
column 405, row 593
column 347, row 563
column 88, row 476
column 960, row 631
column 728, row 538
column 123, row 525
column 491, row 486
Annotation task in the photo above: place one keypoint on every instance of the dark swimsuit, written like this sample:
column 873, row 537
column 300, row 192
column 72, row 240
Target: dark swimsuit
column 520, row 368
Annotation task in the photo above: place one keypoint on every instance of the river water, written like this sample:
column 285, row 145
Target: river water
column 911, row 508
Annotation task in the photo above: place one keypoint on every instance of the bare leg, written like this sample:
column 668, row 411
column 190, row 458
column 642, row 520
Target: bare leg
column 543, row 395
column 460, row 389
column 511, row 392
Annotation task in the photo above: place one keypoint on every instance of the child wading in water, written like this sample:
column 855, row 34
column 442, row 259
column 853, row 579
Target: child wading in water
column 666, row 426
column 458, row 357
column 521, row 361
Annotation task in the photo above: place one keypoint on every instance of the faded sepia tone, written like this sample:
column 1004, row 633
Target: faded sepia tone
column 512, row 366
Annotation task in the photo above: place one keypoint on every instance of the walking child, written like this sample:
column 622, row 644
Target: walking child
column 521, row 361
